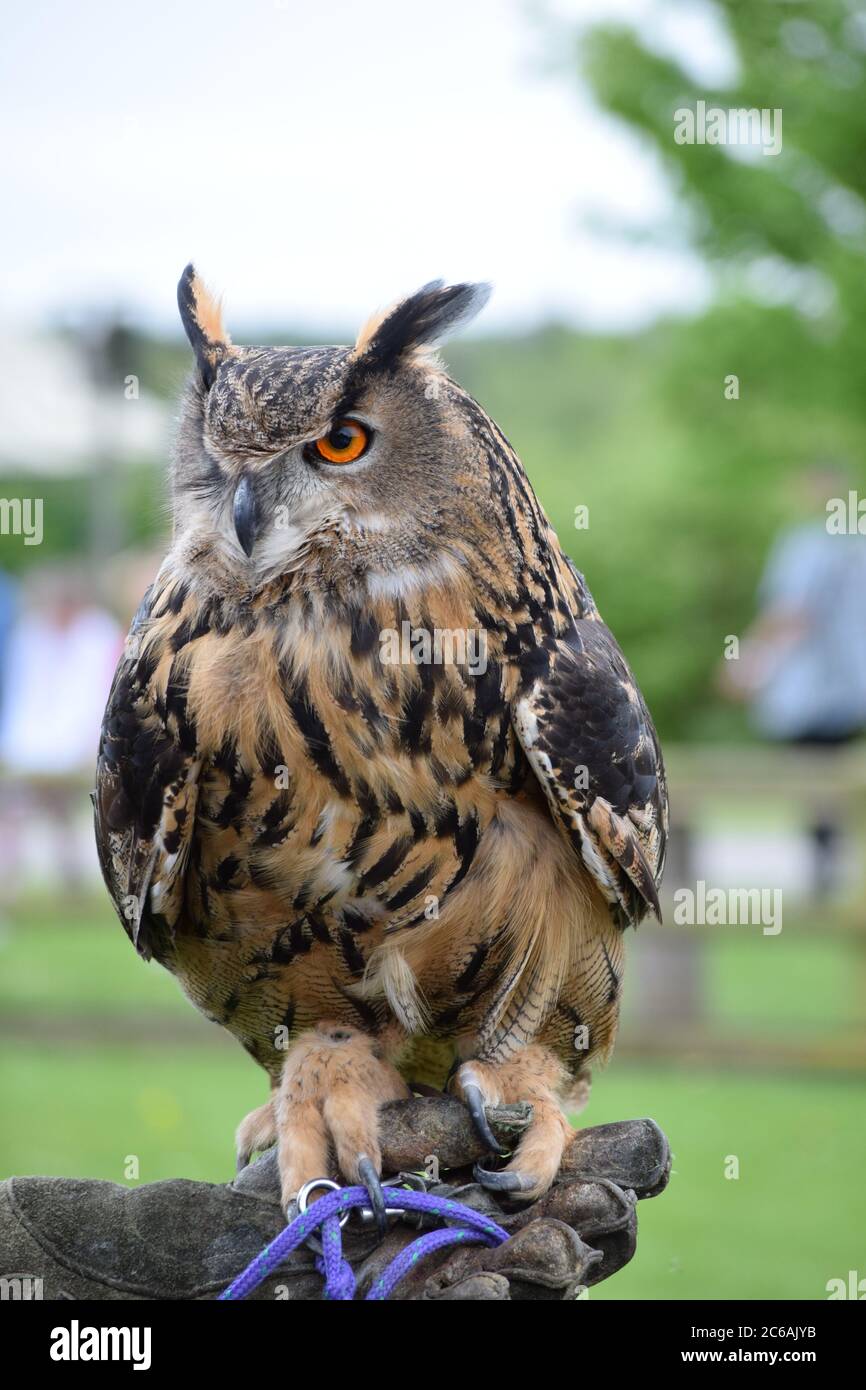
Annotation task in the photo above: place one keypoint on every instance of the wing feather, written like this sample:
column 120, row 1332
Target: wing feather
column 591, row 743
column 145, row 799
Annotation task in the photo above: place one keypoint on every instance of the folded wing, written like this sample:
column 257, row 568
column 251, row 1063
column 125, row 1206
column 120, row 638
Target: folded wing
column 145, row 797
column 591, row 743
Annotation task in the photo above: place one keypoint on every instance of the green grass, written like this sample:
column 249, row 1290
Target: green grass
column 792, row 1220
column 790, row 981
column 83, row 1111
column 77, row 959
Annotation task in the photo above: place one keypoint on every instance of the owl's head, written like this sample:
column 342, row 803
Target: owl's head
column 366, row 449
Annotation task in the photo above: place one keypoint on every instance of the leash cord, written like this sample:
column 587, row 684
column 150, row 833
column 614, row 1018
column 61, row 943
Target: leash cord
column 325, row 1214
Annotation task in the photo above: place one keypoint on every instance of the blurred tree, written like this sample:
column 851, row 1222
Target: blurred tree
column 786, row 237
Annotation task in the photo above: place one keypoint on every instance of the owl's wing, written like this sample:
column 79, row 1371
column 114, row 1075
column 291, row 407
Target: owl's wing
column 145, row 800
column 591, row 743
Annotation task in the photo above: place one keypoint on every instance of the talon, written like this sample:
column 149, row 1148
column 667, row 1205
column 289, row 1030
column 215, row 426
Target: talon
column 504, row 1180
column 242, row 1160
column 370, row 1178
column 475, row 1103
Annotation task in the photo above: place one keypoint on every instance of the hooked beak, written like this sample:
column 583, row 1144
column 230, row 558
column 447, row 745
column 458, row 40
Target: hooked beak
column 245, row 515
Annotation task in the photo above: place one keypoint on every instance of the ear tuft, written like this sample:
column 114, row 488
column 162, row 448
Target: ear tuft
column 421, row 321
column 201, row 316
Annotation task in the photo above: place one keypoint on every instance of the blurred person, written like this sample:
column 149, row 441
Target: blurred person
column 802, row 663
column 61, row 655
column 8, row 610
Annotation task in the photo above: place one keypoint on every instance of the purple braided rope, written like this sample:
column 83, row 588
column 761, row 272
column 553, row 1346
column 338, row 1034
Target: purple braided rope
column 339, row 1279
column 289, row 1239
column 324, row 1213
column 403, row 1263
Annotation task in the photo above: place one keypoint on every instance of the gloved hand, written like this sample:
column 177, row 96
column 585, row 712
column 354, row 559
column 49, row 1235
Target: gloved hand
column 187, row 1240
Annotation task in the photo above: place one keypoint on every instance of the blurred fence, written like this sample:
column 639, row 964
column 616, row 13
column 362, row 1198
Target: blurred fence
column 739, row 788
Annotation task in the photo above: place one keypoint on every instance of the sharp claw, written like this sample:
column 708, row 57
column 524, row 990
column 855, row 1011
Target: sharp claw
column 475, row 1103
column 503, row 1181
column 242, row 1161
column 370, row 1178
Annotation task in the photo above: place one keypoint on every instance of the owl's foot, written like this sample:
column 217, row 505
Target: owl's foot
column 257, row 1131
column 334, row 1081
column 533, row 1075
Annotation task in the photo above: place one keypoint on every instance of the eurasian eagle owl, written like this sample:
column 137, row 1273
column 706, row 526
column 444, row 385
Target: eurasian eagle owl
column 375, row 781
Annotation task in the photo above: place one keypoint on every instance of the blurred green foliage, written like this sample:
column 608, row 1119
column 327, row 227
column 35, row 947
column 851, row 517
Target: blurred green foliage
column 786, row 237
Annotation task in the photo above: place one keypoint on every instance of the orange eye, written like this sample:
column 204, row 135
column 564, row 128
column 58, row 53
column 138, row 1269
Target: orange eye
column 344, row 442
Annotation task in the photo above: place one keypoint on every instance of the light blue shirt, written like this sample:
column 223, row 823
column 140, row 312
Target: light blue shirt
column 819, row 683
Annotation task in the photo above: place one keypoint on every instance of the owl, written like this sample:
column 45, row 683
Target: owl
column 375, row 782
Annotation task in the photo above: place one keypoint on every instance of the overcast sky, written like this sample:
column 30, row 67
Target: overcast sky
column 318, row 157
